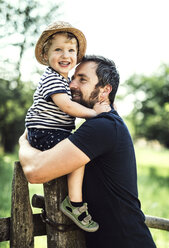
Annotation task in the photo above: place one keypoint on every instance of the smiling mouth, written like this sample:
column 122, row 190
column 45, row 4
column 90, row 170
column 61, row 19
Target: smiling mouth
column 62, row 63
column 75, row 95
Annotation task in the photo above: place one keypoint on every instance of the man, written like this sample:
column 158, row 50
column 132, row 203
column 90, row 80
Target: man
column 104, row 144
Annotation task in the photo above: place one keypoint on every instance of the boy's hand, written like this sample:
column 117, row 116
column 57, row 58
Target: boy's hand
column 114, row 106
column 101, row 107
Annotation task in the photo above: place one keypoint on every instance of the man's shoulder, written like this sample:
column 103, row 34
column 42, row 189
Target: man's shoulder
column 95, row 136
column 106, row 118
column 99, row 125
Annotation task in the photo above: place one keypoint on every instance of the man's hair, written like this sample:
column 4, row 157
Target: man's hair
column 106, row 72
column 48, row 42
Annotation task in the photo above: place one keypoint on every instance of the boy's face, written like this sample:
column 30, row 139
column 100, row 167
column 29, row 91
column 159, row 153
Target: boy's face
column 62, row 54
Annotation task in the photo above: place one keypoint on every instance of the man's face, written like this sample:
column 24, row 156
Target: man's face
column 83, row 84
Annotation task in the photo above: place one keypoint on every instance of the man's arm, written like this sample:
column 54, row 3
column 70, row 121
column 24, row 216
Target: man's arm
column 41, row 167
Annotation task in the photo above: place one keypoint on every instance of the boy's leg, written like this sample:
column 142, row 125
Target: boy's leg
column 75, row 181
column 73, row 205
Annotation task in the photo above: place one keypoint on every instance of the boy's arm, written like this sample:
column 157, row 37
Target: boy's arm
column 75, row 109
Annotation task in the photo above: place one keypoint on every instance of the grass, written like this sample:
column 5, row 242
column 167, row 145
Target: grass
column 153, row 186
column 6, row 173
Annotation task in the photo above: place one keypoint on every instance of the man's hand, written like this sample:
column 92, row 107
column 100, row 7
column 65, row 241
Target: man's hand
column 23, row 137
column 101, row 107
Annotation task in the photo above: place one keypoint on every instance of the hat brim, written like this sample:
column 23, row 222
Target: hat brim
column 79, row 35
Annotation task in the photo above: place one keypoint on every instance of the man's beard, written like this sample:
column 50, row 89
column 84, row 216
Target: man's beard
column 93, row 98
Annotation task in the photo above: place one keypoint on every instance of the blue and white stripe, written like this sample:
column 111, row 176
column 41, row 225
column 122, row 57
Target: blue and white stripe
column 44, row 113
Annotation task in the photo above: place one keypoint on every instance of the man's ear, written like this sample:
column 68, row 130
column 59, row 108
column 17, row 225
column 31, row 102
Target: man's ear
column 107, row 89
column 104, row 92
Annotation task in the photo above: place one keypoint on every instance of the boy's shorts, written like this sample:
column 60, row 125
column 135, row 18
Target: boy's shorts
column 44, row 139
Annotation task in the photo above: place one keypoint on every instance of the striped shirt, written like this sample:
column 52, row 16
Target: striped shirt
column 44, row 113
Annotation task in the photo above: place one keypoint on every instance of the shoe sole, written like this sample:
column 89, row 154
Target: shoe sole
column 76, row 222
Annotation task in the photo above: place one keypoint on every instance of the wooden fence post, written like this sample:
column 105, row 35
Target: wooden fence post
column 55, row 191
column 21, row 224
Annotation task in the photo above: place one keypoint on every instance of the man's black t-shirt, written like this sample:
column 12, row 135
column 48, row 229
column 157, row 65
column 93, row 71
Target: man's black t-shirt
column 110, row 184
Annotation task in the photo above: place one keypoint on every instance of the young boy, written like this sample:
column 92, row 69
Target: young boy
column 51, row 117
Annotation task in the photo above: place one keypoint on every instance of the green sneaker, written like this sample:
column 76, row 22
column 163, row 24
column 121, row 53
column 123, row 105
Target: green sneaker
column 87, row 224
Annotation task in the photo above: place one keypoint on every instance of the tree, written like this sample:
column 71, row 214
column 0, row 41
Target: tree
column 21, row 22
column 20, row 25
column 150, row 115
column 14, row 104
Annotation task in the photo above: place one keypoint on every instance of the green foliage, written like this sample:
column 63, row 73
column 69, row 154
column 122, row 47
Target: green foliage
column 20, row 25
column 24, row 20
column 14, row 103
column 150, row 115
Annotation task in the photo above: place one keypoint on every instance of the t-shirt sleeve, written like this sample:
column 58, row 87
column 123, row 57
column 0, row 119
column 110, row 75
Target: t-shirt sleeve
column 52, row 85
column 95, row 137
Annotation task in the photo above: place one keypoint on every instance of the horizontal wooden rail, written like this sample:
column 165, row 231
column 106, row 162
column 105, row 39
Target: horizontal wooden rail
column 4, row 229
column 40, row 227
column 158, row 223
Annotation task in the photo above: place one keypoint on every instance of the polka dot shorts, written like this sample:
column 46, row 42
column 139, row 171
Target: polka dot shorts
column 44, row 139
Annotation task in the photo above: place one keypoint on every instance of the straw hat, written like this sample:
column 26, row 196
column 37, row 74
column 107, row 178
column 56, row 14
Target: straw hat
column 59, row 27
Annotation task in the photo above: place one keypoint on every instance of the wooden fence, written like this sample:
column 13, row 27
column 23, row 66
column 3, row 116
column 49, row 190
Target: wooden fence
column 21, row 228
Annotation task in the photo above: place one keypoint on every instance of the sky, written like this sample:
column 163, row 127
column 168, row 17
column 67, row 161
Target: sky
column 133, row 33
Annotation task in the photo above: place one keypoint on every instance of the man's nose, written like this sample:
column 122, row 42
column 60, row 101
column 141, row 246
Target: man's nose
column 73, row 84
